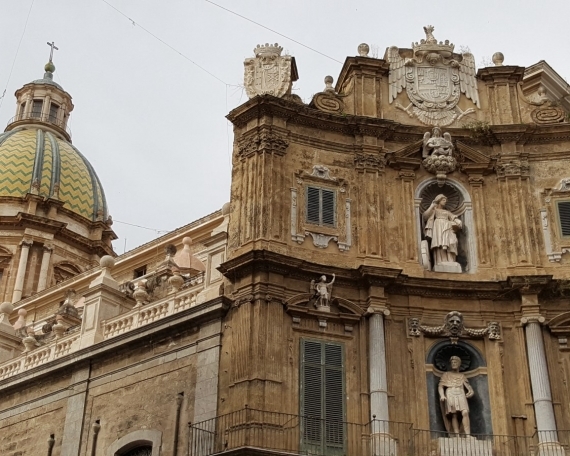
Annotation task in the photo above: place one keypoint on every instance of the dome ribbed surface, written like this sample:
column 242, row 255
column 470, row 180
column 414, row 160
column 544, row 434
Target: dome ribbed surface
column 37, row 155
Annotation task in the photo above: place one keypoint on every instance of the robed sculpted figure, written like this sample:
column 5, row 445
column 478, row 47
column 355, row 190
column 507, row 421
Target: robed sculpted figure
column 454, row 390
column 441, row 226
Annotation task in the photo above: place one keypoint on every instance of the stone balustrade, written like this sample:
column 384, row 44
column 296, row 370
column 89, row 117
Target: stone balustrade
column 135, row 318
column 140, row 316
column 41, row 355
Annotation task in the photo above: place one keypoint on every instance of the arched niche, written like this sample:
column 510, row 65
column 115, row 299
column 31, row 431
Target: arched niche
column 474, row 367
column 63, row 271
column 137, row 440
column 459, row 203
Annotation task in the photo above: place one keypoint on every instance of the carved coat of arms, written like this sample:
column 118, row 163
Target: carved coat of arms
column 434, row 78
column 268, row 73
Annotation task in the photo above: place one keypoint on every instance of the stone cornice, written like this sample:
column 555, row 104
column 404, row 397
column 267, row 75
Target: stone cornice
column 500, row 74
column 265, row 260
column 359, row 64
column 441, row 288
column 387, row 130
column 60, row 230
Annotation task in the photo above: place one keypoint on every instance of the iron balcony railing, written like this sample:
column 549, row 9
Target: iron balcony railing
column 45, row 118
column 251, row 430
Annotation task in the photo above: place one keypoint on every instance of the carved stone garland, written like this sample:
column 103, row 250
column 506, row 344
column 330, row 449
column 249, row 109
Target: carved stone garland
column 454, row 328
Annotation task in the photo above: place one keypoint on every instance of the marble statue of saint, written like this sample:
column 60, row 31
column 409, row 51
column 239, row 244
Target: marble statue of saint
column 322, row 291
column 441, row 226
column 454, row 390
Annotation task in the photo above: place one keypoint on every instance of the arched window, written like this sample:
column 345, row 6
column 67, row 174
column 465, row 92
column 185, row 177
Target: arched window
column 144, row 442
column 145, row 450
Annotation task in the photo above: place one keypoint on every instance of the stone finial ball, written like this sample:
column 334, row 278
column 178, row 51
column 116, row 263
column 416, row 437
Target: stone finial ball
column 363, row 50
column 6, row 308
column 226, row 209
column 498, row 58
column 107, row 261
column 187, row 240
column 22, row 312
column 329, row 79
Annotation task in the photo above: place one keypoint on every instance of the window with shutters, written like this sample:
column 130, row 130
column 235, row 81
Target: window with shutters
column 321, row 203
column 563, row 209
column 322, row 397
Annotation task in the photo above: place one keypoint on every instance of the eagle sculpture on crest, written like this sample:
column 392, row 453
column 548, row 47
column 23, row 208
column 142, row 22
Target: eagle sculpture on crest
column 434, row 78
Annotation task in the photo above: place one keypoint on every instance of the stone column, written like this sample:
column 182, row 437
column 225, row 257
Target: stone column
column 540, row 382
column 382, row 443
column 42, row 281
column 21, row 274
column 377, row 367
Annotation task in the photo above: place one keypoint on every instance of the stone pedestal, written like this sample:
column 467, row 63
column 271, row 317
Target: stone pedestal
column 448, row 266
column 103, row 300
column 464, row 446
column 10, row 344
column 383, row 445
column 550, row 449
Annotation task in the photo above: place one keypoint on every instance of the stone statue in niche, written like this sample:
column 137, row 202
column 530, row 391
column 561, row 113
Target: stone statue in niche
column 440, row 228
column 323, row 291
column 454, row 390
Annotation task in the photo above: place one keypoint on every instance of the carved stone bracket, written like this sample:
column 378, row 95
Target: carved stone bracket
column 516, row 167
column 454, row 328
column 321, row 240
column 369, row 161
column 322, row 172
column 264, row 141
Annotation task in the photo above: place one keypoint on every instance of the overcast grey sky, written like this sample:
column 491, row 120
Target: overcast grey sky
column 152, row 123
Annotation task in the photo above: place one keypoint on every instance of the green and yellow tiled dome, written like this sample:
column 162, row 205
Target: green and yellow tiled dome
column 33, row 160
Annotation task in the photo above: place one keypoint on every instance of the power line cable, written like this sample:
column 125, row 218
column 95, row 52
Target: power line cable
column 143, row 227
column 164, row 42
column 274, row 31
column 17, row 51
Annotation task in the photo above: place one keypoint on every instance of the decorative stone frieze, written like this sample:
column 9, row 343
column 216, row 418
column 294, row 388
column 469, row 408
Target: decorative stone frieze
column 369, row 161
column 454, row 328
column 264, row 141
column 516, row 167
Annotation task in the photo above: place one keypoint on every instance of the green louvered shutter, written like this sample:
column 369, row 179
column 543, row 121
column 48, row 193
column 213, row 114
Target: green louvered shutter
column 321, row 205
column 322, row 397
column 564, row 217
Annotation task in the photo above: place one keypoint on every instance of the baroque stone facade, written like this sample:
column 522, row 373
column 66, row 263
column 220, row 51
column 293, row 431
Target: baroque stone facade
column 386, row 280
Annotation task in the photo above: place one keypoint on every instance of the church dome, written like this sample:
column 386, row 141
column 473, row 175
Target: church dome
column 37, row 160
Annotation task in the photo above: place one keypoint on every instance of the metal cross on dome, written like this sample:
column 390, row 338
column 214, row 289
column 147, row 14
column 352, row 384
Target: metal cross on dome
column 52, row 46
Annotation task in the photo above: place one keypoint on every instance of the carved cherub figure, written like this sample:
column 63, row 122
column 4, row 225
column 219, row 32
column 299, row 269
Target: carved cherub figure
column 323, row 291
column 435, row 144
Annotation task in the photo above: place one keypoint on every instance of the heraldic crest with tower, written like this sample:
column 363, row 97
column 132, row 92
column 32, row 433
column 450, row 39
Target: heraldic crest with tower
column 434, row 78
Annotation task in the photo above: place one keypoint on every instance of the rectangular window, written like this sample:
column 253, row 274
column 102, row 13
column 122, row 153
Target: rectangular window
column 564, row 217
column 140, row 272
column 321, row 206
column 53, row 108
column 37, row 108
column 322, row 397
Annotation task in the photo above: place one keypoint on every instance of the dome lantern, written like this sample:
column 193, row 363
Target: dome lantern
column 44, row 102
